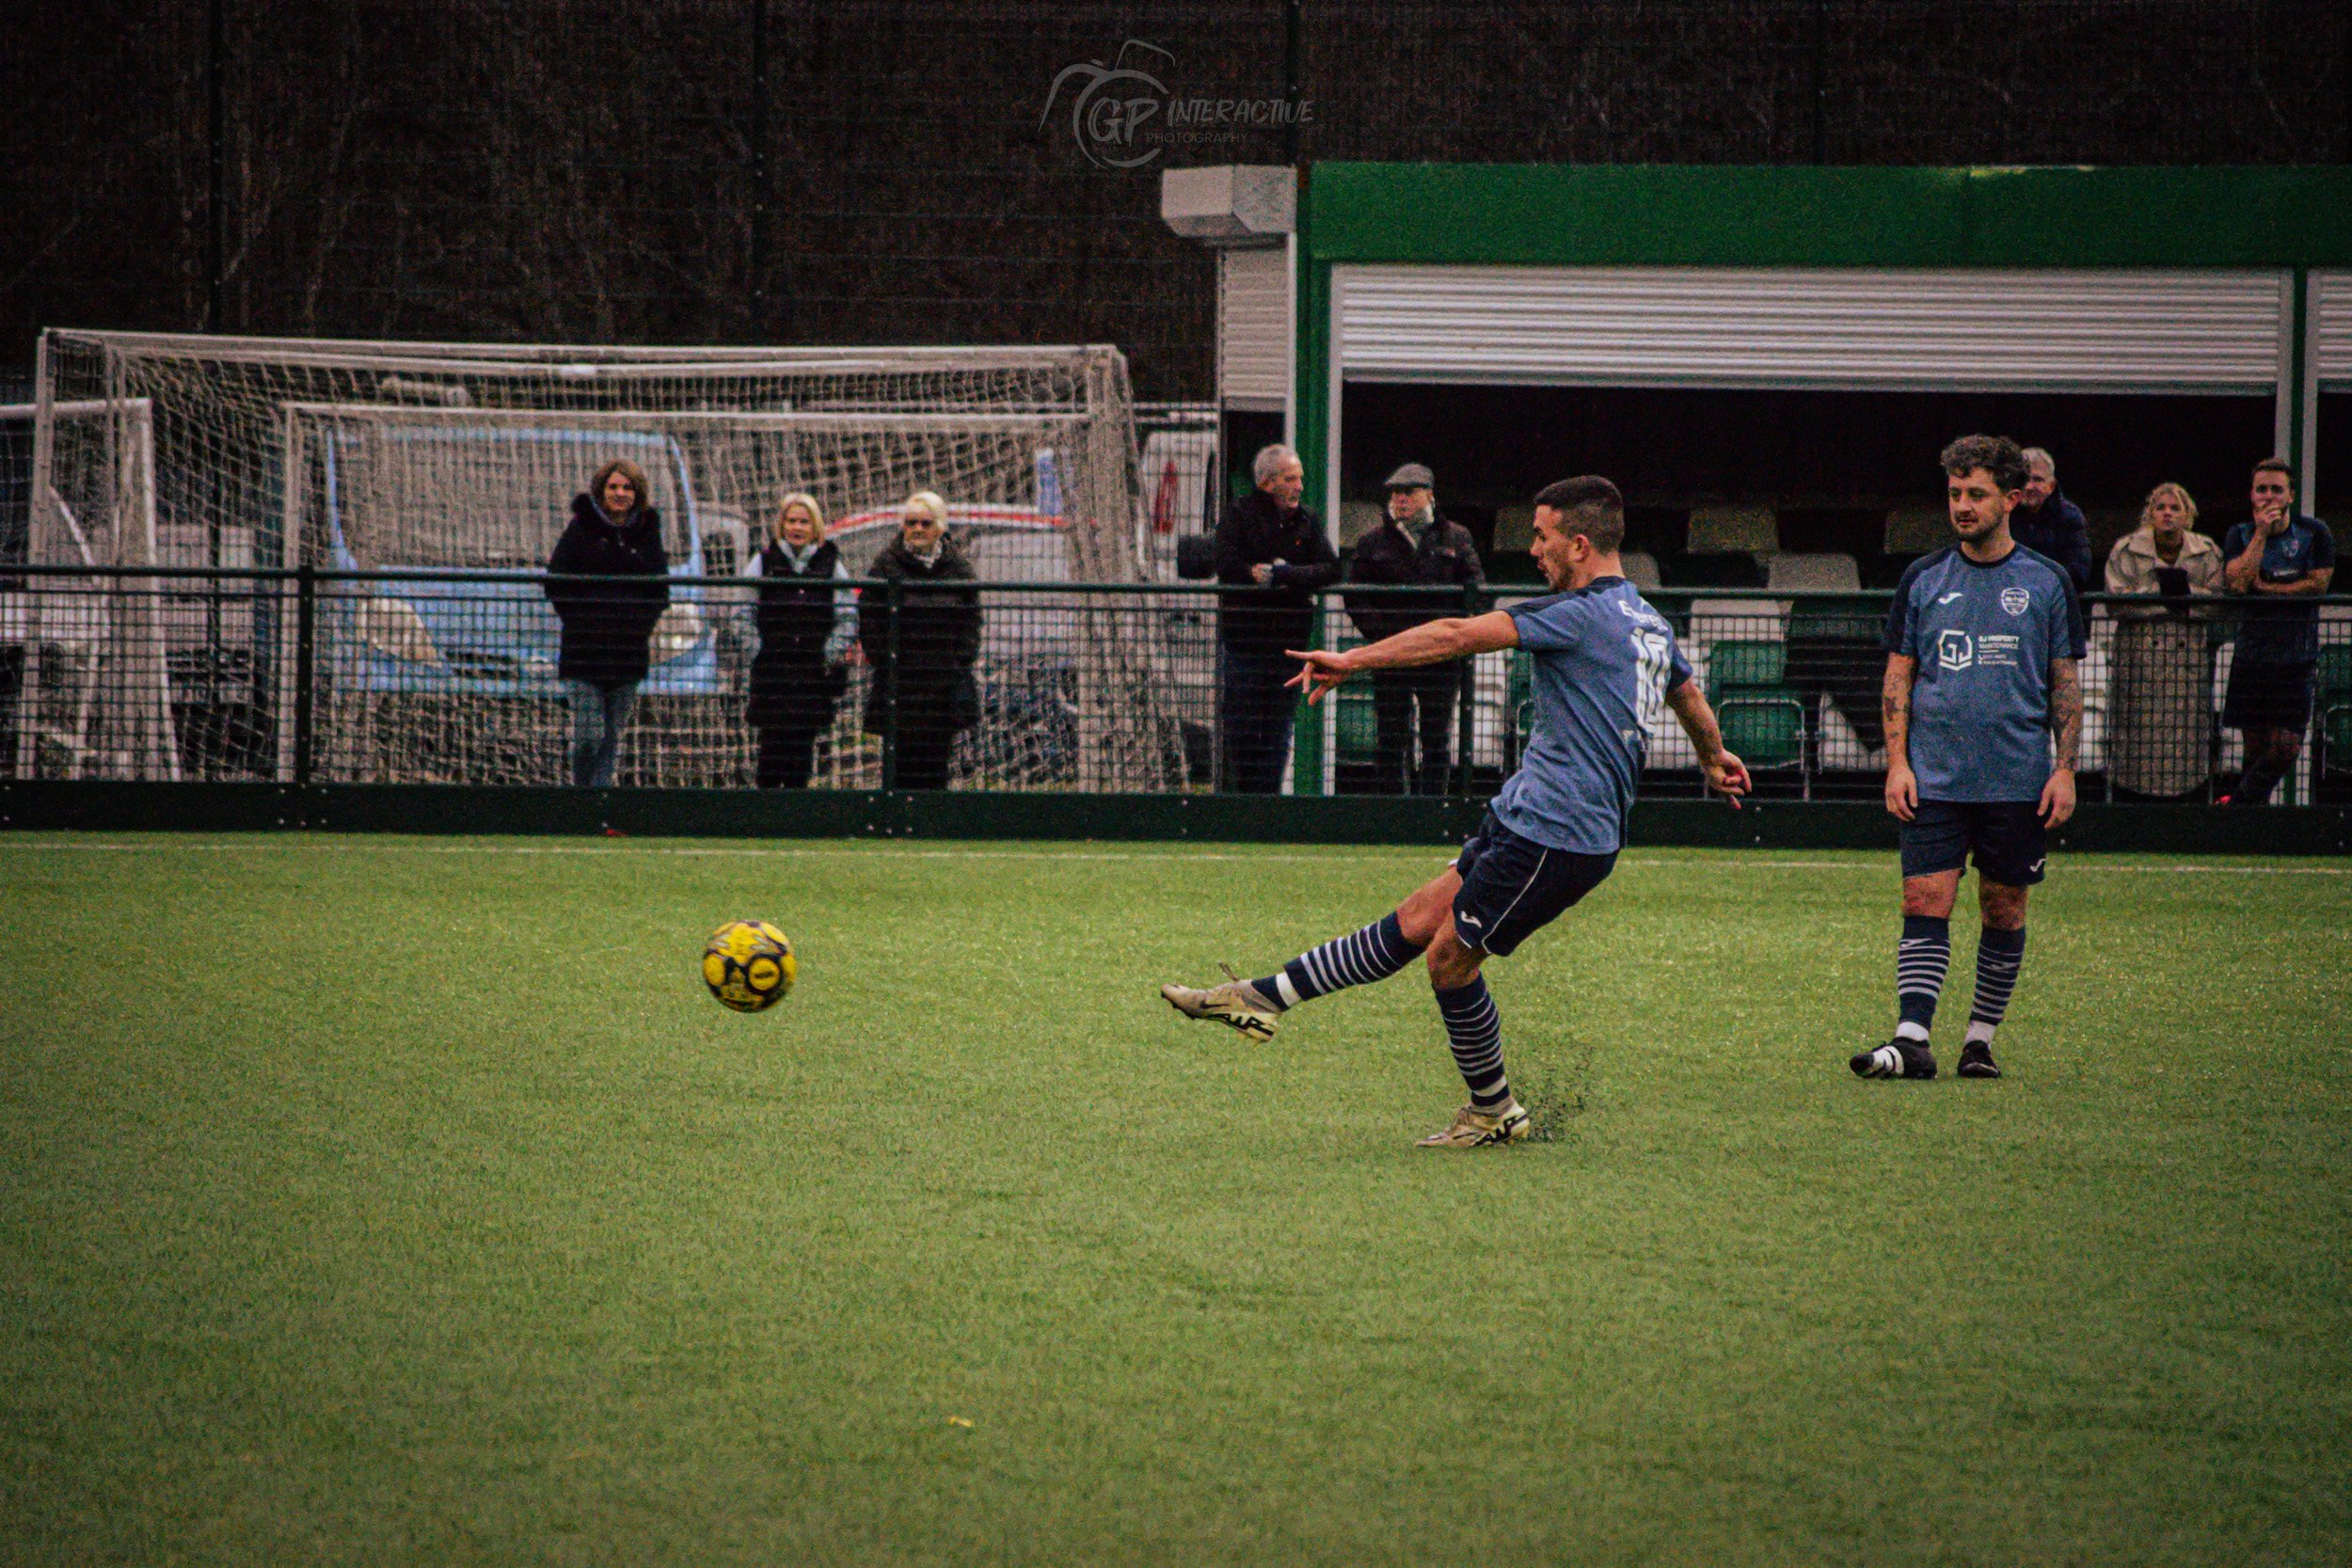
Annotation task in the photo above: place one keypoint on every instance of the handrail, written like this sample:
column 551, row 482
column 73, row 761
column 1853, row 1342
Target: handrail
column 1438, row 592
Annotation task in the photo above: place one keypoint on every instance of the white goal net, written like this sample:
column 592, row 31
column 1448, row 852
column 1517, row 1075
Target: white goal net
column 424, row 483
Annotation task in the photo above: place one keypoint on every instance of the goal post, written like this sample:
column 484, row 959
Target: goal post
column 448, row 464
column 94, row 697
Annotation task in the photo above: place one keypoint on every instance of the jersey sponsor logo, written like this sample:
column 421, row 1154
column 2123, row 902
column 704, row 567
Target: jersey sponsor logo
column 1640, row 612
column 1951, row 596
column 1955, row 650
column 1996, row 648
column 2016, row 600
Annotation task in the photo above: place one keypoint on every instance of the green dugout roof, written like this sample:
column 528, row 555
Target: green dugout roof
column 1684, row 215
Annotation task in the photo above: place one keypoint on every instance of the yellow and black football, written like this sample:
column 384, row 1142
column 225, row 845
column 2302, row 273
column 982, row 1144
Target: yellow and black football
column 748, row 965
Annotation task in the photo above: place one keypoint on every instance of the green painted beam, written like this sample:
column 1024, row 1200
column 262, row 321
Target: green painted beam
column 1735, row 216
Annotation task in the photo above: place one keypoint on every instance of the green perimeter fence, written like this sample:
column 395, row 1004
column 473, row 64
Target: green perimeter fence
column 432, row 701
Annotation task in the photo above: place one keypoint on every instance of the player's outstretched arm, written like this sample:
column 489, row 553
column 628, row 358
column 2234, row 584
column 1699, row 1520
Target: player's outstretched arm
column 1902, row 786
column 1725, row 774
column 1432, row 643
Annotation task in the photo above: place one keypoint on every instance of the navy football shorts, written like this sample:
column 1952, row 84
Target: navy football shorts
column 2006, row 837
column 2267, row 696
column 1513, row 887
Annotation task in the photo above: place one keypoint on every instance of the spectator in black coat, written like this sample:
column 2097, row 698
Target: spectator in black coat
column 806, row 627
column 2049, row 524
column 1274, row 550
column 922, row 673
column 614, row 535
column 1413, row 547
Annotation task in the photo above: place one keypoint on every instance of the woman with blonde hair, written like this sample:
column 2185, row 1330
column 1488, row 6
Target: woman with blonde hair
column 805, row 626
column 2160, row 698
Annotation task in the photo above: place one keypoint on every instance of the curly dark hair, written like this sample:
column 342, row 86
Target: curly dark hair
column 1995, row 454
column 1590, row 505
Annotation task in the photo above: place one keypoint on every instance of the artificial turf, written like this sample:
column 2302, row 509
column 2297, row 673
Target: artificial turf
column 380, row 1200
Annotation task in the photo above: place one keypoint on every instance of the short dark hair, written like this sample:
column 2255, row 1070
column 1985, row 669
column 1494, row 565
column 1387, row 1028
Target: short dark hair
column 1590, row 505
column 1995, row 454
column 2278, row 465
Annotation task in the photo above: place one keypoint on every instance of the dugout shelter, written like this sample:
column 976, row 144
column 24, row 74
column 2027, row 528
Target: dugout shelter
column 1696, row 328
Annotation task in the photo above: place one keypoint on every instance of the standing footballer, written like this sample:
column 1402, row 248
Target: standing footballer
column 1984, row 714
column 1605, row 663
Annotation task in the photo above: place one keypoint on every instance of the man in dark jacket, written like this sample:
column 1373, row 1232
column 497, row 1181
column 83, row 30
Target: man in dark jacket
column 1413, row 548
column 2049, row 524
column 1274, row 551
column 923, row 665
column 614, row 538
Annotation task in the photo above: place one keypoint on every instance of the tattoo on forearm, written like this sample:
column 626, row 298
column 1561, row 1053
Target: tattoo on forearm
column 2066, row 711
column 1895, row 708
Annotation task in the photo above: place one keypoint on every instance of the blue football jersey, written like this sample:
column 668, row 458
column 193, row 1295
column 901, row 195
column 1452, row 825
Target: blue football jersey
column 1984, row 637
column 2283, row 630
column 1604, row 661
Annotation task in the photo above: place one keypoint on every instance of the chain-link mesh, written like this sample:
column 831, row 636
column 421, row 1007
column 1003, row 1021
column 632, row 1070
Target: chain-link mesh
column 441, row 678
column 348, row 457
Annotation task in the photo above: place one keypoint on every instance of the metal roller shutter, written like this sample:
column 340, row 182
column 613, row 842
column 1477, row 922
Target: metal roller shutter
column 2076, row 331
column 1253, row 328
column 2332, row 329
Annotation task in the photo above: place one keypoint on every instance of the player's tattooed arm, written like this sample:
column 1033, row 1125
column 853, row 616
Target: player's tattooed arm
column 2066, row 711
column 1895, row 705
column 1725, row 774
column 1902, row 786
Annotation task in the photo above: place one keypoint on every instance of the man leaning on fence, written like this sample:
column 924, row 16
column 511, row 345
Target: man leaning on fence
column 1413, row 547
column 2049, row 524
column 1274, row 551
column 2283, row 562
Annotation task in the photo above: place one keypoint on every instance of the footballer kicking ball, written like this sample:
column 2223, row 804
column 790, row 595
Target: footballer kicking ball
column 748, row 965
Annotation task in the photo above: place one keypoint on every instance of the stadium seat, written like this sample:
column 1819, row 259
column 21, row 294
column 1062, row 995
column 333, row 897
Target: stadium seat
column 1740, row 529
column 1835, row 573
column 1916, row 529
column 1356, row 735
column 1739, row 620
column 2332, row 697
column 1712, row 571
column 1764, row 729
column 1744, row 666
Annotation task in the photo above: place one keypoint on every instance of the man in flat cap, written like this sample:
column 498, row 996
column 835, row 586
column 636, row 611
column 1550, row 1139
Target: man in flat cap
column 1413, row 547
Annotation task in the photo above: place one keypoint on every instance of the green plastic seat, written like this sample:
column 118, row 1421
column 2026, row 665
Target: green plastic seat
column 1746, row 666
column 1765, row 727
column 2333, row 679
column 1357, row 726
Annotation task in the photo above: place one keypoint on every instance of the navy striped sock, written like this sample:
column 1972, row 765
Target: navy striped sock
column 1920, row 964
column 1473, row 1026
column 1357, row 959
column 1999, row 955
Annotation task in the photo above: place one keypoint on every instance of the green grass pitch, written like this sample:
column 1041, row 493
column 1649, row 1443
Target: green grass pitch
column 408, row 1201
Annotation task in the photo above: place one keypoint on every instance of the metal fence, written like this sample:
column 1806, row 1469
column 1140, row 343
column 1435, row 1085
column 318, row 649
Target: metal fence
column 312, row 676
